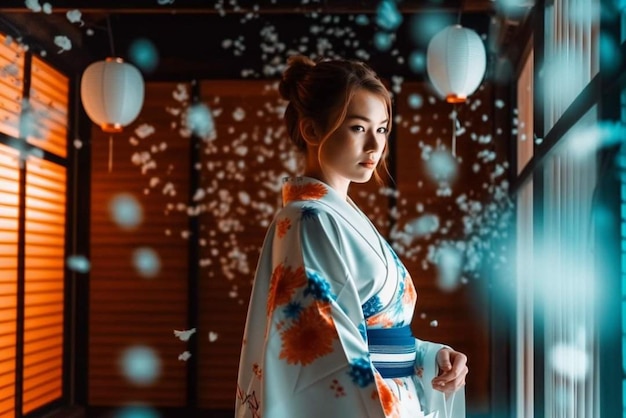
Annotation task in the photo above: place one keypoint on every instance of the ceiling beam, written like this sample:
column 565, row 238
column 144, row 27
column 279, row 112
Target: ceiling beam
column 255, row 6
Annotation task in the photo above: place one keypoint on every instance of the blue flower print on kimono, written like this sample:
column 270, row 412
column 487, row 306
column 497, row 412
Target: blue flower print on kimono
column 324, row 277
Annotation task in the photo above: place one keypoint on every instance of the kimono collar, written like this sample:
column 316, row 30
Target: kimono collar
column 308, row 188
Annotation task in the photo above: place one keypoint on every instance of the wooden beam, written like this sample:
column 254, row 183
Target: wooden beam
column 258, row 6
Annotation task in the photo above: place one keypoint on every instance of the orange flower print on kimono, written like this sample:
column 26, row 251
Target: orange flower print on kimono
column 306, row 191
column 410, row 296
column 282, row 226
column 387, row 398
column 283, row 285
column 310, row 336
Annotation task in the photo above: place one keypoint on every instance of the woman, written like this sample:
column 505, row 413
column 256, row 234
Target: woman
column 328, row 329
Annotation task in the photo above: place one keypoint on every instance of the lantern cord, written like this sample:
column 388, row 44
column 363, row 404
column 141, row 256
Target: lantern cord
column 110, row 31
column 458, row 17
column 453, row 130
column 110, row 152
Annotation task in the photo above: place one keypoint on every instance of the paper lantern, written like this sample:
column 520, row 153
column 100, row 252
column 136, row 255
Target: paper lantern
column 456, row 62
column 112, row 93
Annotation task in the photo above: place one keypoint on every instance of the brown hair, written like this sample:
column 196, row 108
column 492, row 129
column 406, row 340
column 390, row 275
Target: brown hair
column 322, row 90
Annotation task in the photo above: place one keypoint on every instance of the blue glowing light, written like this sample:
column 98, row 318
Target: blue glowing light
column 417, row 62
column 424, row 225
column 136, row 412
column 449, row 267
column 570, row 360
column 591, row 138
column 126, row 211
column 423, row 26
column 610, row 54
column 362, row 20
column 415, row 101
column 388, row 16
column 78, row 263
column 140, row 365
column 442, row 166
column 200, row 120
column 146, row 262
column 144, row 54
column 383, row 40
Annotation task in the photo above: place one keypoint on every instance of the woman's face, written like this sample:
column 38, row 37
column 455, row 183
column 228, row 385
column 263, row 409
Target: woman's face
column 353, row 151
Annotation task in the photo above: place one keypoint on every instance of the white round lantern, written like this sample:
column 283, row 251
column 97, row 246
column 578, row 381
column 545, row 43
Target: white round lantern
column 112, row 93
column 456, row 62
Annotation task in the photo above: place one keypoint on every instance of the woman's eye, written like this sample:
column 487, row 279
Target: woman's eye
column 358, row 128
column 382, row 130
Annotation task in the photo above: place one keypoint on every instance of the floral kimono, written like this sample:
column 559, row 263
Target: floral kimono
column 326, row 284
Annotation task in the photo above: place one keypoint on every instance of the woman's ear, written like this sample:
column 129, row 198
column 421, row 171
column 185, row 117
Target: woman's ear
column 309, row 132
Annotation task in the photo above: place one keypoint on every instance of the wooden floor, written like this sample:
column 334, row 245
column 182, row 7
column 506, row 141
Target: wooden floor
column 101, row 412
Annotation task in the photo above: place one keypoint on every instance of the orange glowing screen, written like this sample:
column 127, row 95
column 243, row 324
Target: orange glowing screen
column 49, row 91
column 44, row 124
column 11, row 84
column 44, row 283
column 9, row 182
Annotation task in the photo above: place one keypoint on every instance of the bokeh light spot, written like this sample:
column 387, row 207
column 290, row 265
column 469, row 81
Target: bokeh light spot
column 146, row 262
column 387, row 15
column 199, row 120
column 140, row 365
column 441, row 165
column 424, row 225
column 423, row 26
column 383, row 40
column 417, row 62
column 143, row 54
column 126, row 211
column 136, row 411
column 449, row 267
column 78, row 263
column 415, row 101
column 362, row 20
column 610, row 54
column 570, row 361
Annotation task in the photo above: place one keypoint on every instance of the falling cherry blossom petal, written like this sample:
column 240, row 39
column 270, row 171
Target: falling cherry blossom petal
column 75, row 16
column 184, row 335
column 33, row 5
column 63, row 42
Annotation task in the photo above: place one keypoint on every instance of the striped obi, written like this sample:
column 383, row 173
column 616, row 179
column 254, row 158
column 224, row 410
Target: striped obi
column 392, row 351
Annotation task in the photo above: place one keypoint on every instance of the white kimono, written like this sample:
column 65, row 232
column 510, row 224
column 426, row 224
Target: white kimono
column 325, row 276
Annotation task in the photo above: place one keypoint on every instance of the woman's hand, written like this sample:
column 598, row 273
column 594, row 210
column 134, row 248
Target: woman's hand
column 452, row 370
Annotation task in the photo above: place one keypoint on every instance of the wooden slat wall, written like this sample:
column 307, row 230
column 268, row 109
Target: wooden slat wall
column 44, row 283
column 127, row 310
column 11, row 86
column 241, row 174
column 461, row 315
column 49, row 93
column 9, row 208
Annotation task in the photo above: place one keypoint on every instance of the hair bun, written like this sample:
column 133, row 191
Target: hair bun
column 298, row 66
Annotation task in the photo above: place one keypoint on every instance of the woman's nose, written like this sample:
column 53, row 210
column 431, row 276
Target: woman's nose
column 373, row 142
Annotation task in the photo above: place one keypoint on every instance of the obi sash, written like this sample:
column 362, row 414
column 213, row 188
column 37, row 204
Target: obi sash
column 392, row 351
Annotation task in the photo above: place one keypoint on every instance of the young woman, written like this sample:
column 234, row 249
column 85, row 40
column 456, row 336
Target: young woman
column 328, row 330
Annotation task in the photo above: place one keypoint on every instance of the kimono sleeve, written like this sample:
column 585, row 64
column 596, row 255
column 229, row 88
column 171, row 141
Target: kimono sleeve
column 448, row 406
column 311, row 358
